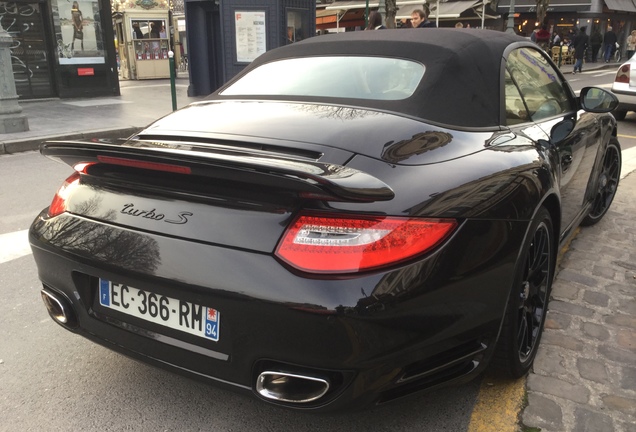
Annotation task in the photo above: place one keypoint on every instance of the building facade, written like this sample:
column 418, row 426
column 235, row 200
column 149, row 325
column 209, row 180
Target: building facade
column 567, row 16
column 61, row 48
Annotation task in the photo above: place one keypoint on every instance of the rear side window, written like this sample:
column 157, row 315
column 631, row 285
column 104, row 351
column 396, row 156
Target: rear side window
column 377, row 78
column 530, row 77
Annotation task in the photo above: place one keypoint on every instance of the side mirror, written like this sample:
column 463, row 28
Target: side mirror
column 597, row 100
column 561, row 130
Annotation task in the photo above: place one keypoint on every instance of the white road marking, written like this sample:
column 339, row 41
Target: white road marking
column 14, row 245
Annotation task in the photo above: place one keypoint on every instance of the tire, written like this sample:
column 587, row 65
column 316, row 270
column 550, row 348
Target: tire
column 607, row 183
column 528, row 303
column 619, row 114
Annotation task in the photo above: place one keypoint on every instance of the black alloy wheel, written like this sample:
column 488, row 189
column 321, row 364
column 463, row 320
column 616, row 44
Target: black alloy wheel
column 528, row 302
column 607, row 185
column 533, row 292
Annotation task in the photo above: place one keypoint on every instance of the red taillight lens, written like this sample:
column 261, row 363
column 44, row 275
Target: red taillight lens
column 326, row 244
column 155, row 166
column 58, row 205
column 622, row 76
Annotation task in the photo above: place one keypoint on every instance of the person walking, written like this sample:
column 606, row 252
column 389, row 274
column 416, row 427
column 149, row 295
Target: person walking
column 419, row 19
column 609, row 43
column 596, row 40
column 631, row 44
column 579, row 44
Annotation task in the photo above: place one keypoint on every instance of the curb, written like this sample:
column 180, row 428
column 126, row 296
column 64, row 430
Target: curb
column 33, row 143
column 590, row 67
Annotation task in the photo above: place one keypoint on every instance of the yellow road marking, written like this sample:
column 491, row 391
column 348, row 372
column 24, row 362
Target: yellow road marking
column 626, row 136
column 498, row 405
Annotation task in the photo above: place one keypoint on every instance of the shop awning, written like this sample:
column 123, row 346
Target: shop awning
column 621, row 5
column 404, row 12
column 452, row 9
column 334, row 18
column 554, row 6
column 346, row 5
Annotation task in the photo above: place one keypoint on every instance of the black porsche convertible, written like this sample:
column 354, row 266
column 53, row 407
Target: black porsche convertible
column 352, row 219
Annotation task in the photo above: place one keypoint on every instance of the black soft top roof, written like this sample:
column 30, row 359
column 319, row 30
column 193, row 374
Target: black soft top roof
column 461, row 85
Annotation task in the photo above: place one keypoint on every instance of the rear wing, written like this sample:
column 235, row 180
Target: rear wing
column 306, row 177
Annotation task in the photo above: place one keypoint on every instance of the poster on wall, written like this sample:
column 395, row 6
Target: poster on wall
column 250, row 35
column 78, row 32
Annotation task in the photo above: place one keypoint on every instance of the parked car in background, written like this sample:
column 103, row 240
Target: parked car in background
column 354, row 218
column 624, row 88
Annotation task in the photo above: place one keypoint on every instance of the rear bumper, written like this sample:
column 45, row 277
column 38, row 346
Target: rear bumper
column 375, row 337
column 626, row 97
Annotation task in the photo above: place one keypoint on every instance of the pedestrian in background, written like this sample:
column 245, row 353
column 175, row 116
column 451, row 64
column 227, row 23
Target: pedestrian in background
column 375, row 21
column 542, row 37
column 609, row 44
column 419, row 19
column 596, row 40
column 579, row 44
column 631, row 44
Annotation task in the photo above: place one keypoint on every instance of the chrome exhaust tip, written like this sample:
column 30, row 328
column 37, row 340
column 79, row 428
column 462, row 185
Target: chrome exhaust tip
column 288, row 387
column 59, row 308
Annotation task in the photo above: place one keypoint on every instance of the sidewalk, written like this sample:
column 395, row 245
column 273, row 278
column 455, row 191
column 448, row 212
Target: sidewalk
column 140, row 103
column 584, row 377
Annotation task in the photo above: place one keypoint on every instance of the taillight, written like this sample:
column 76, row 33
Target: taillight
column 155, row 166
column 58, row 205
column 622, row 76
column 345, row 244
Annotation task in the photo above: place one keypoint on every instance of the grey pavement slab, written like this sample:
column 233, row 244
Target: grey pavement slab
column 140, row 103
column 584, row 377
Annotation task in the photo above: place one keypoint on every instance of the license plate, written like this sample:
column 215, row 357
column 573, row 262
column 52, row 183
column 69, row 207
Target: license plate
column 177, row 314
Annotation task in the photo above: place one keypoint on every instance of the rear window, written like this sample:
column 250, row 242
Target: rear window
column 377, row 78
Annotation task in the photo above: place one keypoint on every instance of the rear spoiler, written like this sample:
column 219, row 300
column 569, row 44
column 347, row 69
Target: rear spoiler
column 306, row 177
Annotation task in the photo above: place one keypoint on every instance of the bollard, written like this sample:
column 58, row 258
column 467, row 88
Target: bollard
column 173, row 90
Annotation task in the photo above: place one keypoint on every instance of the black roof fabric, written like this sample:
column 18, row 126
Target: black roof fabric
column 462, row 82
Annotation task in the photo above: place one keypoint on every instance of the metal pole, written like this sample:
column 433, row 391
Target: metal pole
column 511, row 18
column 382, row 9
column 11, row 119
column 437, row 15
column 173, row 90
column 483, row 13
column 366, row 15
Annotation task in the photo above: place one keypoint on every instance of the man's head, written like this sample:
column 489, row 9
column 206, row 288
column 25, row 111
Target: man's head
column 418, row 16
column 609, row 28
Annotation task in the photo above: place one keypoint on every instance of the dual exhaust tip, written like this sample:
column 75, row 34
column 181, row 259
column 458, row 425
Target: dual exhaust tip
column 59, row 308
column 273, row 385
column 290, row 387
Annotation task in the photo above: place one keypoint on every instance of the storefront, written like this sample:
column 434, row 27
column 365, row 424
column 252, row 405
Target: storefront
column 59, row 48
column 567, row 16
column 143, row 42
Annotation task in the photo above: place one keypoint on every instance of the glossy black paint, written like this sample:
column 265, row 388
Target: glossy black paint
column 209, row 238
